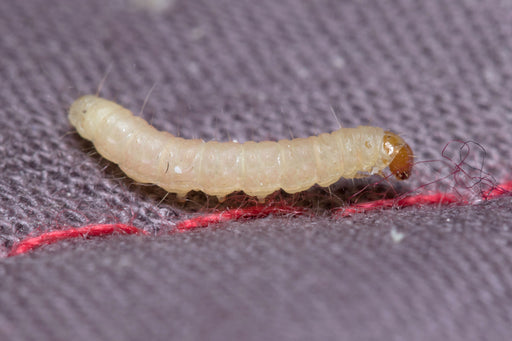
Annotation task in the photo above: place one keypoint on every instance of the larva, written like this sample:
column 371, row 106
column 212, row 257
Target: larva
column 219, row 168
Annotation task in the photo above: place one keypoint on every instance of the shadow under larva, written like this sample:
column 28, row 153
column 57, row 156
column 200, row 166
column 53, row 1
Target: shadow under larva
column 258, row 169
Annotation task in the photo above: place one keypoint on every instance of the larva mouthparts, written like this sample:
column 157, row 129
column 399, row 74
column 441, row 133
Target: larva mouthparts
column 219, row 168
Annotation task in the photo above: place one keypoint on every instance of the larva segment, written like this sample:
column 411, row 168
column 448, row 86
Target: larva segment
column 298, row 169
column 179, row 165
column 262, row 167
column 361, row 151
column 328, row 159
column 219, row 168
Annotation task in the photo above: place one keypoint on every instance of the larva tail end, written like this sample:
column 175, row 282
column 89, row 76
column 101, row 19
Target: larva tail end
column 78, row 112
column 401, row 154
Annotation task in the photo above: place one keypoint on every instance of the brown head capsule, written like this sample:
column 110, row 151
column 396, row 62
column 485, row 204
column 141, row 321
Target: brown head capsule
column 402, row 155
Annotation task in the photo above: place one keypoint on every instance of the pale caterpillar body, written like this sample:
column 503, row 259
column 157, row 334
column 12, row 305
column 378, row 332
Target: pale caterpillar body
column 258, row 169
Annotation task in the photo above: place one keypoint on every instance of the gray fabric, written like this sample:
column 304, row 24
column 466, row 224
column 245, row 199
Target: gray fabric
column 434, row 71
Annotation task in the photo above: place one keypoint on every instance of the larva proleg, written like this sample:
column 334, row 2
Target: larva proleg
column 219, row 168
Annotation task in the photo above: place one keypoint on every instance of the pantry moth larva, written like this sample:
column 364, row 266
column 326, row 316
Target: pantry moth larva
column 219, row 168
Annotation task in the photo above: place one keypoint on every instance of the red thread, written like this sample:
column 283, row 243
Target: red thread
column 416, row 200
column 51, row 237
column 237, row 214
column 498, row 191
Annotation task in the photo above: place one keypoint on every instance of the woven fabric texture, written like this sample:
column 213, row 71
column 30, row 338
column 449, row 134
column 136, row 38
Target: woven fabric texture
column 437, row 72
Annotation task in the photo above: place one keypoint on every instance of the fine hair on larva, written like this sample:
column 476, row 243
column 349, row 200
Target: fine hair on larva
column 180, row 165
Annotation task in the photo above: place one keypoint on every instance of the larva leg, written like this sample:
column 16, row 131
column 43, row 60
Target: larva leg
column 181, row 198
